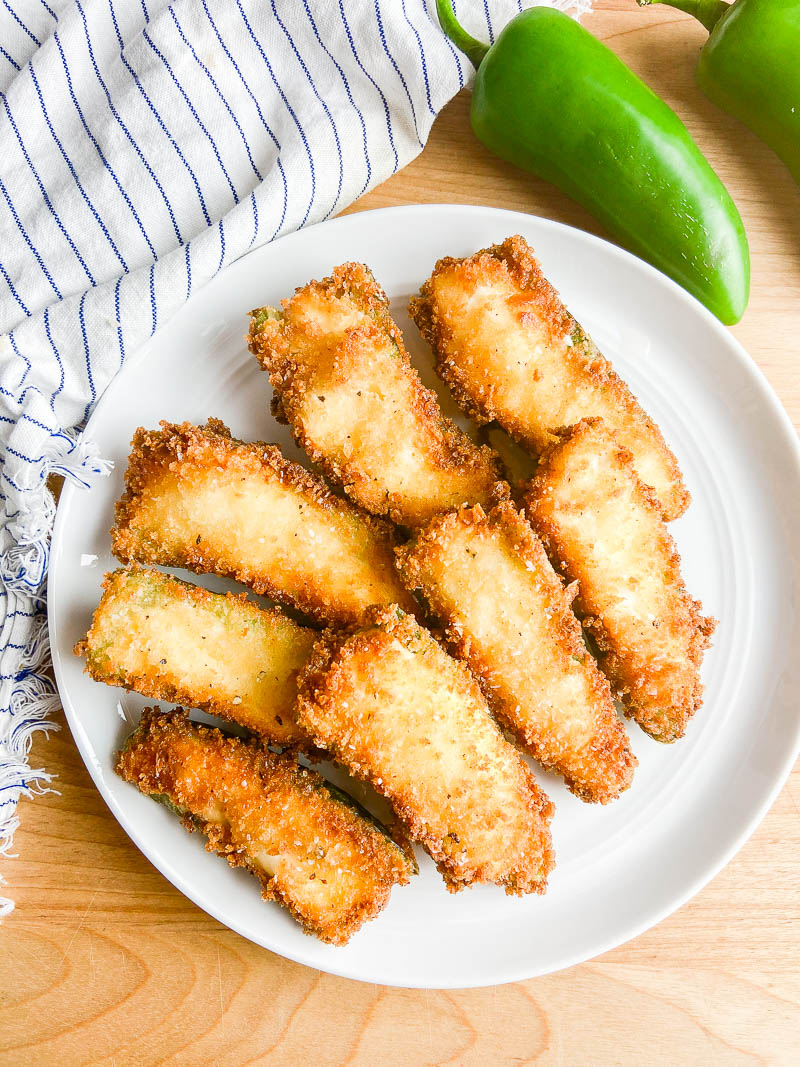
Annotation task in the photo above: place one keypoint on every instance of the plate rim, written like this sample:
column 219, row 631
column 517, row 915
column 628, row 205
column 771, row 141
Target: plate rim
column 756, row 379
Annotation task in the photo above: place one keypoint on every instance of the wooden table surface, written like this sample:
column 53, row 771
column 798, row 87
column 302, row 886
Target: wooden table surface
column 104, row 962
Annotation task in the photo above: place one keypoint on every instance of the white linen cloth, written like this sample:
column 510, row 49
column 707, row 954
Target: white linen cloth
column 143, row 146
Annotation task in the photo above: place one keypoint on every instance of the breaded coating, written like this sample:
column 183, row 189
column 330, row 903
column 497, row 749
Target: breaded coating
column 508, row 615
column 510, row 351
column 305, row 841
column 164, row 638
column 344, row 383
column 602, row 528
column 392, row 706
column 198, row 499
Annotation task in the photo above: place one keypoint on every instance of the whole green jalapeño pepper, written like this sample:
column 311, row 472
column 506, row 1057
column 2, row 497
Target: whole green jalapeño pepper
column 551, row 98
column 750, row 67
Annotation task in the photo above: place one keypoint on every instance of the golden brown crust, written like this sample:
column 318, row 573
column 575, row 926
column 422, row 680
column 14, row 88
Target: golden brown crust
column 509, row 617
column 307, row 845
column 398, row 712
column 603, row 528
column 509, row 350
column 344, row 383
column 169, row 640
column 197, row 498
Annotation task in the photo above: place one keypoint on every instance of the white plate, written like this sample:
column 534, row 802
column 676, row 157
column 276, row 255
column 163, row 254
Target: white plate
column 622, row 868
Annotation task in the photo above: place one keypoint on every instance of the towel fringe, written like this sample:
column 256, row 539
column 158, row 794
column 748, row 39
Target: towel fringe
column 30, row 699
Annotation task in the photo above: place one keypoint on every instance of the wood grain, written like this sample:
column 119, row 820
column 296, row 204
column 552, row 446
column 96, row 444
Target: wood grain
column 104, row 962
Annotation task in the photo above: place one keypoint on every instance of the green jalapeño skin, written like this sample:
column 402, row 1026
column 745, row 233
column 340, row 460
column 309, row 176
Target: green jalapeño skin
column 551, row 98
column 750, row 67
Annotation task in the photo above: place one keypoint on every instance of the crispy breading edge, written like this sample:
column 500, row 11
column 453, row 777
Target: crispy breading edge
column 520, row 262
column 700, row 626
column 154, row 449
column 611, row 739
column 154, row 686
column 265, row 762
column 381, row 626
column 450, row 449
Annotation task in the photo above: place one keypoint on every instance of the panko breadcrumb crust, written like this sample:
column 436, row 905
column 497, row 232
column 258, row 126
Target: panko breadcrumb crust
column 307, row 354
column 260, row 798
column 154, row 523
column 133, row 595
column 502, row 816
column 452, row 308
column 653, row 668
column 597, row 767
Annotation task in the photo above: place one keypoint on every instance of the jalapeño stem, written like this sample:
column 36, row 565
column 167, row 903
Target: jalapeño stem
column 472, row 49
column 709, row 12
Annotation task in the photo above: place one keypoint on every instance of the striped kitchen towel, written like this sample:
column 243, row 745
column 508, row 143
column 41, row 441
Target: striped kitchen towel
column 143, row 146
